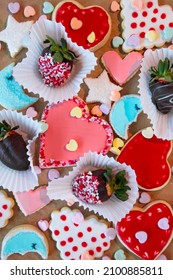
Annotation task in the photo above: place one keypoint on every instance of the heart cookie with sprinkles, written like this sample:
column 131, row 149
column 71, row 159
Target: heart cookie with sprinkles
column 71, row 133
column 89, row 27
column 148, row 231
column 148, row 21
column 74, row 236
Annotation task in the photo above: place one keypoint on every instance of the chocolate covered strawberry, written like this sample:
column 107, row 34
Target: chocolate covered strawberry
column 161, row 85
column 13, row 151
column 55, row 63
column 98, row 186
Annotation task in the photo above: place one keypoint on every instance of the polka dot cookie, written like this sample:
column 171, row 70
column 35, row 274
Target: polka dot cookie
column 6, row 205
column 75, row 235
column 146, row 21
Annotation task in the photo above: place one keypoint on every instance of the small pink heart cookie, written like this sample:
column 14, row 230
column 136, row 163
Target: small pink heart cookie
column 74, row 239
column 55, row 150
column 6, row 211
column 130, row 64
column 147, row 231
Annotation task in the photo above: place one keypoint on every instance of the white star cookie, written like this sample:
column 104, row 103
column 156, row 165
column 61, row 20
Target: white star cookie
column 100, row 89
column 16, row 35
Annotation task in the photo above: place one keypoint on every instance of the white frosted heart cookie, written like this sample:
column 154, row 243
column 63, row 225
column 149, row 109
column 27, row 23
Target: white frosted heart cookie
column 6, row 211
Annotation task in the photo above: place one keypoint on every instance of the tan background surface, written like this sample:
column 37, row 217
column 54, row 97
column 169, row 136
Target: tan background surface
column 131, row 87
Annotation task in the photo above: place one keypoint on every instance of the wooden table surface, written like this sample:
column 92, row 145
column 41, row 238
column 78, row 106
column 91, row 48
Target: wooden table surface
column 130, row 87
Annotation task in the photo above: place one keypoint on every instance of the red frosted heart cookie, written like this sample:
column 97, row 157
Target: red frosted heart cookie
column 147, row 155
column 89, row 27
column 71, row 133
column 147, row 232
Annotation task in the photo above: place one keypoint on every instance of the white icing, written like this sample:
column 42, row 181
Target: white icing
column 7, row 212
column 142, row 236
column 163, row 224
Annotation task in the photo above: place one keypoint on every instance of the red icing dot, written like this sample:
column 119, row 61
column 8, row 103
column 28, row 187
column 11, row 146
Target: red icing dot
column 80, row 234
column 171, row 24
column 70, row 239
column 63, row 243
column 135, row 14
column 142, row 34
column 75, row 248
column 63, row 217
column 0, row 214
column 105, row 244
column 93, row 239
column 152, row 28
column 144, row 14
column 84, row 244
column 142, row 24
column 89, row 229
column 56, row 232
column 154, row 19
column 102, row 235
column 161, row 27
column 163, row 16
column 98, row 249
column 4, row 206
column 133, row 25
column 149, row 4
column 76, row 225
column 91, row 252
column 66, row 228
column 67, row 254
column 155, row 11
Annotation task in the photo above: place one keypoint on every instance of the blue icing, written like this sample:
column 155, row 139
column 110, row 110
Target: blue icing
column 124, row 112
column 11, row 94
column 24, row 242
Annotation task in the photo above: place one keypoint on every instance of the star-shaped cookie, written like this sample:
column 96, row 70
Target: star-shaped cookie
column 16, row 35
column 100, row 89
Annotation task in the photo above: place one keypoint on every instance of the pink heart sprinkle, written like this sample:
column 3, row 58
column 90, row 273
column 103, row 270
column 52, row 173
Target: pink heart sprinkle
column 133, row 40
column 163, row 224
column 43, row 17
column 162, row 257
column 78, row 218
column 53, row 174
column 29, row 11
column 111, row 233
column 115, row 95
column 37, row 169
column 104, row 109
column 31, row 112
column 144, row 198
column 0, row 46
column 70, row 202
column 43, row 225
column 13, row 7
column 86, row 256
column 142, row 236
column 106, row 258
column 115, row 6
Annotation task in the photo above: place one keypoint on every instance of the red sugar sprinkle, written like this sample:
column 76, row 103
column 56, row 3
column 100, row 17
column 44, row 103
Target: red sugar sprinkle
column 142, row 24
column 93, row 239
column 56, row 232
column 98, row 249
column 144, row 14
column 0, row 214
column 142, row 34
column 89, row 229
column 70, row 239
column 171, row 24
column 154, row 19
column 163, row 16
column 84, row 244
column 63, row 217
column 135, row 14
column 105, row 244
column 161, row 27
column 102, row 235
column 63, row 243
column 66, row 228
column 67, row 254
column 155, row 11
column 75, row 248
column 91, row 252
column 133, row 25
column 80, row 234
column 4, row 206
column 149, row 5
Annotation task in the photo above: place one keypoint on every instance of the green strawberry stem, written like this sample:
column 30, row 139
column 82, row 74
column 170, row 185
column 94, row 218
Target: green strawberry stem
column 60, row 52
column 5, row 128
column 163, row 72
column 118, row 183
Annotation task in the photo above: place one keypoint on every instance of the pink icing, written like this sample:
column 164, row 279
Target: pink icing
column 114, row 65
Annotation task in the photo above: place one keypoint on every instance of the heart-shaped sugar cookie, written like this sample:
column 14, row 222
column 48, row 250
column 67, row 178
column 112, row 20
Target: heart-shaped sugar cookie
column 141, row 232
column 89, row 27
column 89, row 134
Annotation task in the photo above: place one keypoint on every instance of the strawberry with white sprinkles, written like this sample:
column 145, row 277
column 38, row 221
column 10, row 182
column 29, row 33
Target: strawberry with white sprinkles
column 97, row 186
column 56, row 63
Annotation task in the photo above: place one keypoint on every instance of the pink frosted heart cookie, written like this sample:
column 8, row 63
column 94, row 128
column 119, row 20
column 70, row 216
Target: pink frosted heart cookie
column 114, row 64
column 89, row 27
column 72, row 136
column 148, row 231
column 73, row 240
column 148, row 20
column 6, row 211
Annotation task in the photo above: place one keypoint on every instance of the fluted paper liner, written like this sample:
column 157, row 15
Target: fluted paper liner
column 20, row 180
column 26, row 73
column 162, row 124
column 113, row 209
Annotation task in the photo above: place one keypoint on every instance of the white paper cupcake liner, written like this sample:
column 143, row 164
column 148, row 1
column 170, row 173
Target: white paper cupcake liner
column 113, row 209
column 26, row 73
column 162, row 124
column 20, row 180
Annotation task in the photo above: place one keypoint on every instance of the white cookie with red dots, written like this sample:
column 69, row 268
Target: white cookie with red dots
column 144, row 23
column 75, row 235
column 6, row 211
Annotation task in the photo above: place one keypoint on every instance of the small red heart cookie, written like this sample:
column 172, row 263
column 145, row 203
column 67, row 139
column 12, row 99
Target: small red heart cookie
column 148, row 231
column 147, row 155
column 71, row 133
column 89, row 27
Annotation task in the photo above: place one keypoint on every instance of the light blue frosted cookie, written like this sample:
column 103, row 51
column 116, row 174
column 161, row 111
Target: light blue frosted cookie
column 124, row 112
column 11, row 94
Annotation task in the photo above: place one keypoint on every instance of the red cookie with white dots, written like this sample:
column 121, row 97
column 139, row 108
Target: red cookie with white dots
column 6, row 211
column 89, row 27
column 75, row 235
column 147, row 232
column 144, row 24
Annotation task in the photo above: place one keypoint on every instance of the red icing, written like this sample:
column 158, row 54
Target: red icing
column 56, row 232
column 102, row 235
column 66, row 228
column 135, row 14
column 148, row 157
column 84, row 244
column 67, row 254
column 142, row 34
column 145, row 14
column 63, row 243
column 0, row 214
column 149, row 5
column 80, row 235
column 70, row 239
column 63, row 217
column 163, row 16
column 94, row 19
column 63, row 128
column 155, row 11
column 147, row 221
column 89, row 229
column 98, row 249
column 5, row 206
column 154, row 19
column 133, row 25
